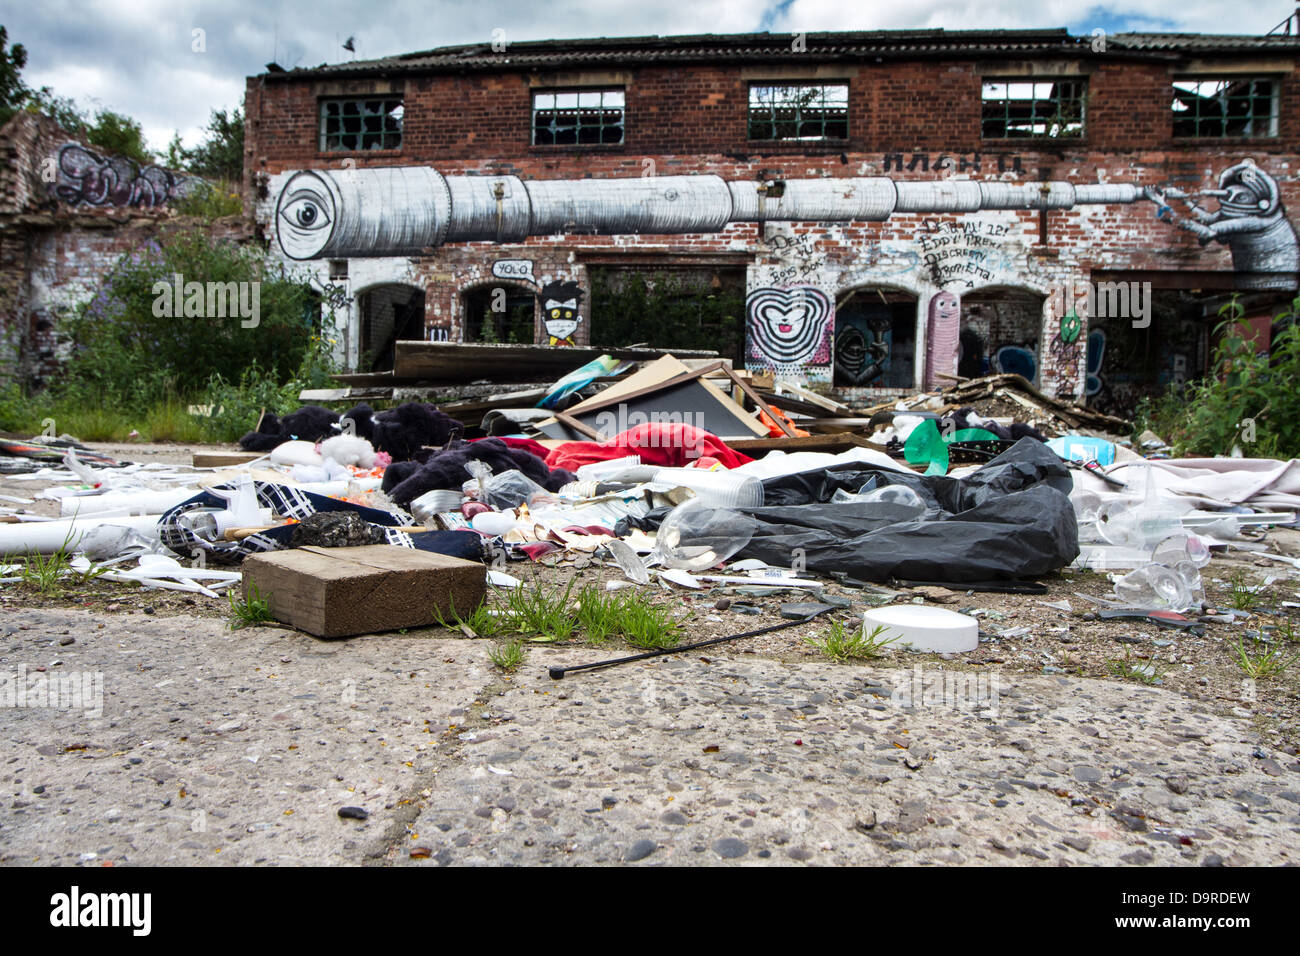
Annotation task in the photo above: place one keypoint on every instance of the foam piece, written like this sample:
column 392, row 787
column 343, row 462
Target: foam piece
column 296, row 453
column 930, row 629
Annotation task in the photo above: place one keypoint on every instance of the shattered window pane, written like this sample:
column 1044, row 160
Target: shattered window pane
column 1015, row 109
column 354, row 124
column 1225, row 107
column 578, row 117
column 798, row 111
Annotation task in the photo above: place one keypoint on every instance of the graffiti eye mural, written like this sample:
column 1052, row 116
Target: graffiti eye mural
column 306, row 215
column 555, row 313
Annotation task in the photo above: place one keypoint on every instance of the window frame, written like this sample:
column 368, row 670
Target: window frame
column 1006, row 101
column 795, row 140
column 1274, row 115
column 555, row 109
column 324, row 138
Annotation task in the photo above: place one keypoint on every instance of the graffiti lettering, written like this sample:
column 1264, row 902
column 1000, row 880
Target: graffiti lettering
column 963, row 162
column 86, row 178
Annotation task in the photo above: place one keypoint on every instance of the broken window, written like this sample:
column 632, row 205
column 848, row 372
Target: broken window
column 500, row 314
column 361, row 123
column 1015, row 109
column 577, row 117
column 1225, row 107
column 798, row 111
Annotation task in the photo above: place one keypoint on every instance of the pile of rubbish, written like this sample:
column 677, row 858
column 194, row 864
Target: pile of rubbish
column 663, row 474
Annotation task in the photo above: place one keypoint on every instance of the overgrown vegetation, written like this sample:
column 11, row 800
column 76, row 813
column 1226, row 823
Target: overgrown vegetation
column 841, row 644
column 1248, row 402
column 249, row 337
column 667, row 310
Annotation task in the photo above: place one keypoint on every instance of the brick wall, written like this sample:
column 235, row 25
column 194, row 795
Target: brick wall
column 908, row 120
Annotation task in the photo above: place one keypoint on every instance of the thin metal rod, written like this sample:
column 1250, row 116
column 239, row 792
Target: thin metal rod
column 558, row 672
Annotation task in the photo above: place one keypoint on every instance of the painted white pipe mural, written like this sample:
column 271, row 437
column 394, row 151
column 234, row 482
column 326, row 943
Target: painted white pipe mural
column 411, row 210
column 404, row 210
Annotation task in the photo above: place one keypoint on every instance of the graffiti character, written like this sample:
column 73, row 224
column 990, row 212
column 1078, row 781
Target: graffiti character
column 560, row 315
column 943, row 332
column 1250, row 220
column 787, row 327
column 862, row 349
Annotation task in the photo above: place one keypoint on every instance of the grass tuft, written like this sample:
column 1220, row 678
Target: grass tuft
column 1262, row 664
column 841, row 644
column 507, row 655
column 1144, row 672
column 250, row 611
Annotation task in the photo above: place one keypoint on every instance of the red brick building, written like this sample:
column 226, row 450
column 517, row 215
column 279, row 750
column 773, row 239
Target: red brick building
column 865, row 210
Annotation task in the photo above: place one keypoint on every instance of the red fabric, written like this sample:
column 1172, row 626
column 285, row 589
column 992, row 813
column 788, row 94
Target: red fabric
column 527, row 444
column 673, row 445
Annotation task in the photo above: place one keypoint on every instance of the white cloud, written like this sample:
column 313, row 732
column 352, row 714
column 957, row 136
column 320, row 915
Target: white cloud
column 135, row 56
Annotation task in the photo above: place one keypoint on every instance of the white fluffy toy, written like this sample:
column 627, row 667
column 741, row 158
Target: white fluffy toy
column 349, row 450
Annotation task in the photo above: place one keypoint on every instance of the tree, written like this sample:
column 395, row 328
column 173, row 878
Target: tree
column 221, row 154
column 13, row 91
column 119, row 135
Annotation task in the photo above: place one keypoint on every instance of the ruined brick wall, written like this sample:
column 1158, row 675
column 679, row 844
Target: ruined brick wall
column 908, row 120
column 62, row 227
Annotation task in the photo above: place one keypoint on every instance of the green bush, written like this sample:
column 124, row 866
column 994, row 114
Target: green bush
column 209, row 201
column 124, row 353
column 1248, row 400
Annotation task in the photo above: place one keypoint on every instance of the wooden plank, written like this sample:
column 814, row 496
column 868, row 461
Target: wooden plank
column 811, row 397
column 225, row 459
column 338, row 592
column 456, row 362
column 834, row 443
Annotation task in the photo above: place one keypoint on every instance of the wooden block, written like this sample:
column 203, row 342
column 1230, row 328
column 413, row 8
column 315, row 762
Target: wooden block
column 337, row 592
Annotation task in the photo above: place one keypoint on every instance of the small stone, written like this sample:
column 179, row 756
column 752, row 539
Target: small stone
column 354, row 813
column 729, row 848
column 1080, row 843
column 721, row 604
column 673, row 818
column 801, row 609
column 799, row 853
column 64, row 642
column 1087, row 774
column 1177, row 784
column 1138, row 857
column 640, row 850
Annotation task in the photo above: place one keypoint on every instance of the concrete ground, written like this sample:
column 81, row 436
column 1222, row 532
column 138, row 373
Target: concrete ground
column 241, row 747
column 193, row 743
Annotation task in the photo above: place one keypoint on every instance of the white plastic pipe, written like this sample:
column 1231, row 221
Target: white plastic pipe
column 47, row 537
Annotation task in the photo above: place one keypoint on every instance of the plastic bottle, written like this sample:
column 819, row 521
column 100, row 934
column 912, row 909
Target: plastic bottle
column 697, row 536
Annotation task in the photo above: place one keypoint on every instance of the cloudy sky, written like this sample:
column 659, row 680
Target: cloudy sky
column 145, row 58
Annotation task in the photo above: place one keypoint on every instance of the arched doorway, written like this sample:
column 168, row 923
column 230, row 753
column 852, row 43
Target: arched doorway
column 875, row 339
column 1000, row 331
column 388, row 313
column 500, row 312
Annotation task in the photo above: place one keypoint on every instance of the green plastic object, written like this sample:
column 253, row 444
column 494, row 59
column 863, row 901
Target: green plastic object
column 927, row 445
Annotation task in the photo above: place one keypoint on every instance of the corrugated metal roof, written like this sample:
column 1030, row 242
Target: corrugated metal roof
column 768, row 47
